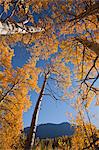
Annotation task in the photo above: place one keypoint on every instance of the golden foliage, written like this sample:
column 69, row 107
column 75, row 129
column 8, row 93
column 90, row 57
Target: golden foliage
column 84, row 136
column 15, row 84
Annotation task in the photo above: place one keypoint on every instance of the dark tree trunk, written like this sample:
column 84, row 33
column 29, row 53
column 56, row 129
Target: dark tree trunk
column 91, row 45
column 92, row 10
column 31, row 136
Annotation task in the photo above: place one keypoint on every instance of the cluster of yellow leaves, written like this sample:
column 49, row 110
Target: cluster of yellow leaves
column 33, row 73
column 1, row 75
column 6, row 54
column 14, row 98
column 69, row 54
column 45, row 46
column 76, row 53
column 6, row 4
column 36, row 5
column 62, row 73
column 88, row 95
column 84, row 136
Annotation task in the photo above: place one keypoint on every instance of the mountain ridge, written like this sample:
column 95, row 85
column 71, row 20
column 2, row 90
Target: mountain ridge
column 52, row 130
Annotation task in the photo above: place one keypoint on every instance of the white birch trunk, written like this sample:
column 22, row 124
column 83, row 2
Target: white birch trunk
column 31, row 137
column 8, row 28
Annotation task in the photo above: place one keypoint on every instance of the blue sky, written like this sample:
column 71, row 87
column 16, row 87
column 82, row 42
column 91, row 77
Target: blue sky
column 51, row 111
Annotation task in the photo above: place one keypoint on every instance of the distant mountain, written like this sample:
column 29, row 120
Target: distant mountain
column 51, row 130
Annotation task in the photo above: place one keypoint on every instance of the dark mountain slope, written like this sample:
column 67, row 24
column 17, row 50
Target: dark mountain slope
column 51, row 130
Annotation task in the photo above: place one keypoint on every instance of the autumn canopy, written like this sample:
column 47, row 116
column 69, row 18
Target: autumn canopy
column 63, row 33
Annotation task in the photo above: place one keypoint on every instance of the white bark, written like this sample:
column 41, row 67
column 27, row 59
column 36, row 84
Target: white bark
column 8, row 28
column 31, row 137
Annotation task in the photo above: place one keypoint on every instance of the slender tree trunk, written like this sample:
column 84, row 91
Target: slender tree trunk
column 31, row 137
column 91, row 45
